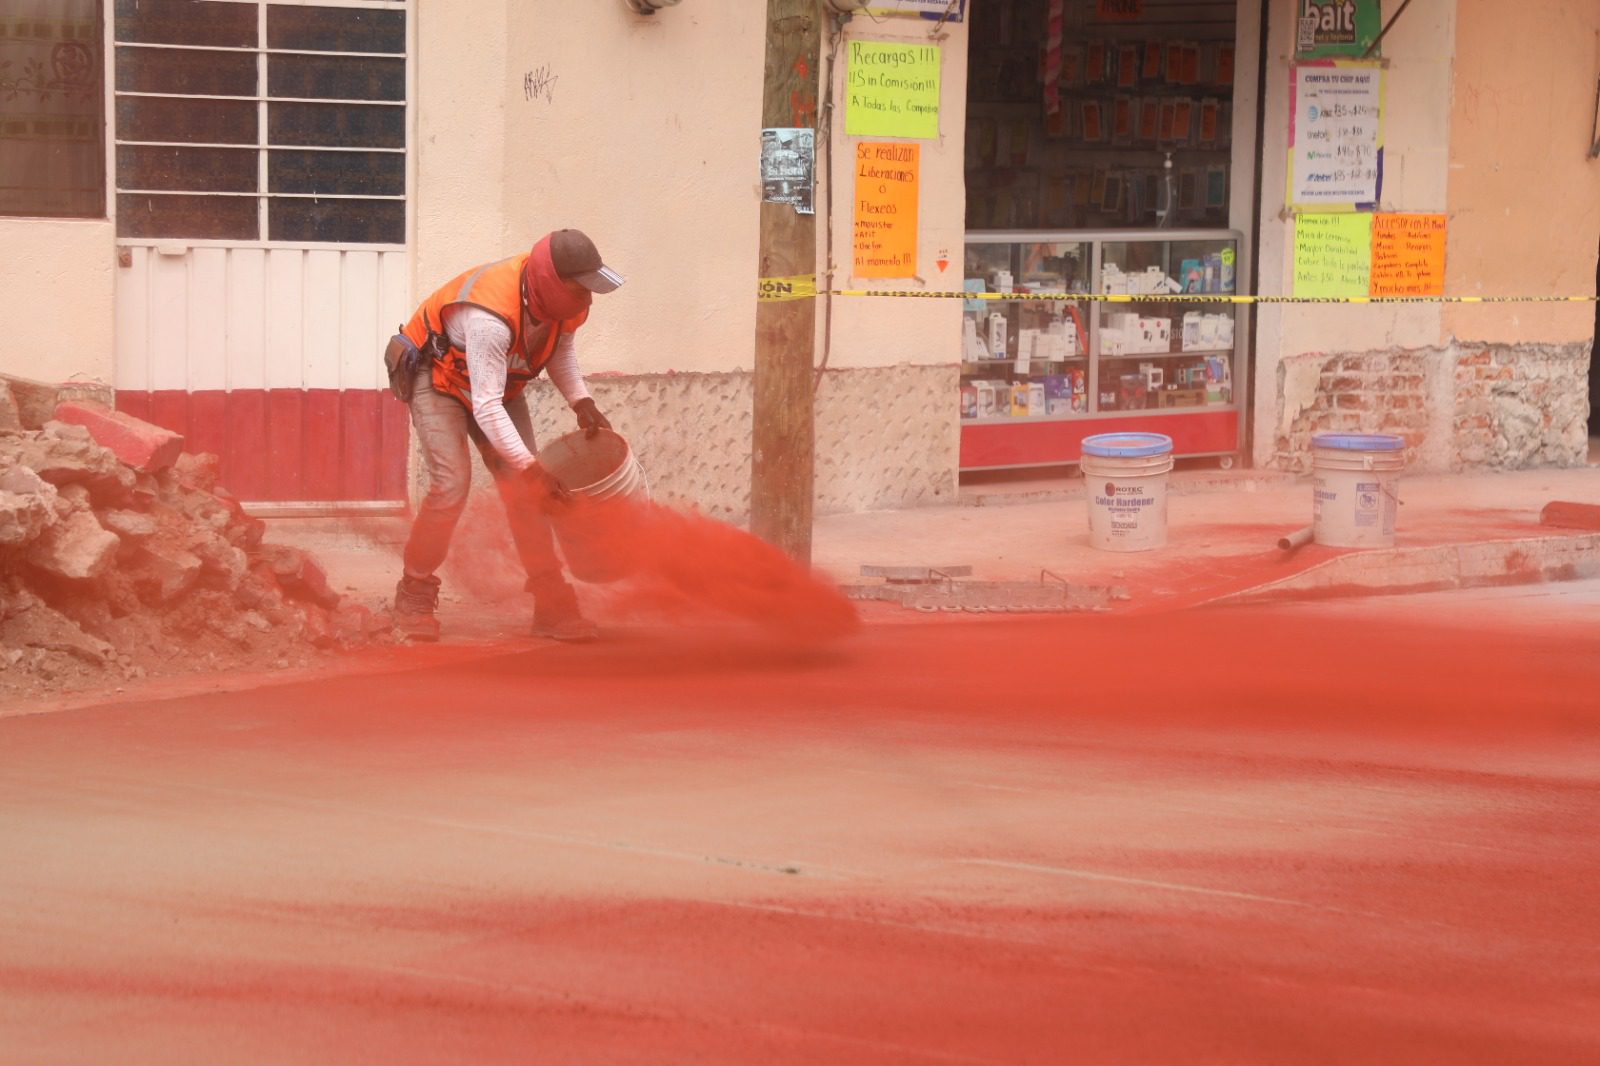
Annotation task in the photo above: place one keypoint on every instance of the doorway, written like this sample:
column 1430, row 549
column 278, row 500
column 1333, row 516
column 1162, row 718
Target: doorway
column 262, row 195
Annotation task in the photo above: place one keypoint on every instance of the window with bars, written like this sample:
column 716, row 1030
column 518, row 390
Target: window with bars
column 246, row 120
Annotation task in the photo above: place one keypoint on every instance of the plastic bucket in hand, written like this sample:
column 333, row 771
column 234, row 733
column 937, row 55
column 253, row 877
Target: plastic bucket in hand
column 606, row 482
column 1355, row 488
column 1127, row 489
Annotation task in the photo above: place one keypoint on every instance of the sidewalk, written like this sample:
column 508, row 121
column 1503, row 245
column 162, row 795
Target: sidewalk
column 1453, row 531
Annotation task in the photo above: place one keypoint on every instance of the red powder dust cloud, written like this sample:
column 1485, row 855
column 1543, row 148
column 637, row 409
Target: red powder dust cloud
column 661, row 563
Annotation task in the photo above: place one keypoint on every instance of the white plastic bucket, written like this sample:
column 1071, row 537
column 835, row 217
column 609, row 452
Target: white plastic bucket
column 1126, row 476
column 600, row 467
column 604, row 471
column 1355, row 488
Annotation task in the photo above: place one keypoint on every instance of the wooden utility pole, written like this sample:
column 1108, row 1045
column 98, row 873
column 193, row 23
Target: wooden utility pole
column 782, row 430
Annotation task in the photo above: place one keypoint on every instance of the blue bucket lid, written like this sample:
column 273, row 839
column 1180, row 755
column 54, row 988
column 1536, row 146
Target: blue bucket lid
column 1358, row 442
column 1127, row 445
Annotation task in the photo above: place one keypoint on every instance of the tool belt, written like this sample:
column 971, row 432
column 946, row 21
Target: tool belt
column 404, row 360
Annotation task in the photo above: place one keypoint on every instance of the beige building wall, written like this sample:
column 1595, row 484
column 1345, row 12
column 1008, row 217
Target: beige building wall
column 644, row 131
column 58, row 290
column 1486, row 108
column 1524, row 198
column 1292, row 340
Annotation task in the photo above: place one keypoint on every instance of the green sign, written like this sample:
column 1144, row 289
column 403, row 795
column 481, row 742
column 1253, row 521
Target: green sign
column 1336, row 27
column 1332, row 254
column 893, row 90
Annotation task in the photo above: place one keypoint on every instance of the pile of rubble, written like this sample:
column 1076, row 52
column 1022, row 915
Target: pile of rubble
column 121, row 556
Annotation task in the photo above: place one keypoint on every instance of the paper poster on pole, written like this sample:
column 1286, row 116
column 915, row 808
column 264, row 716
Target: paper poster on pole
column 892, row 90
column 1335, row 135
column 887, row 177
column 787, row 167
column 1408, row 255
column 1332, row 254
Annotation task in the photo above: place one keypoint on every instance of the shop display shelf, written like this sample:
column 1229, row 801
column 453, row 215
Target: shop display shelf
column 1082, row 261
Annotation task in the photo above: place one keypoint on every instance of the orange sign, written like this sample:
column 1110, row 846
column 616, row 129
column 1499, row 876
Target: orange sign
column 886, row 209
column 1407, row 255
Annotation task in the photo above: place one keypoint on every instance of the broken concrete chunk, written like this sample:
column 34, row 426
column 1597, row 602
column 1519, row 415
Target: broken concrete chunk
column 72, row 498
column 25, row 515
column 220, row 559
column 77, row 547
column 136, row 443
column 46, row 628
column 129, row 525
column 65, row 430
column 163, row 573
column 22, row 480
column 197, row 470
column 300, row 575
column 10, row 414
column 65, row 462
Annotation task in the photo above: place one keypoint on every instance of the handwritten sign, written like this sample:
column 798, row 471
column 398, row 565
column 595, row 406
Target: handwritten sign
column 887, row 176
column 1332, row 254
column 1408, row 255
column 1335, row 134
column 892, row 90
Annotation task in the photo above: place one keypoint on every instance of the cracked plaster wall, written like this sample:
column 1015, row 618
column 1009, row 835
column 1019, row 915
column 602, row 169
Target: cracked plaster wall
column 1459, row 407
column 887, row 437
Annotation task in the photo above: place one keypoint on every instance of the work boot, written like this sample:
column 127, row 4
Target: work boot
column 556, row 615
column 414, row 601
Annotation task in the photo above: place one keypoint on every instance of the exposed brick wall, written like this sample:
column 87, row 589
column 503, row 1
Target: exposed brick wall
column 1373, row 392
column 1522, row 406
column 1457, row 407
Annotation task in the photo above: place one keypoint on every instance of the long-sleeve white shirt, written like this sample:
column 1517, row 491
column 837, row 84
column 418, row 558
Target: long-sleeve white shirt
column 486, row 340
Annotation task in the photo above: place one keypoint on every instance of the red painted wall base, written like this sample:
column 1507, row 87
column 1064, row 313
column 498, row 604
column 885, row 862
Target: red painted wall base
column 313, row 445
column 1035, row 442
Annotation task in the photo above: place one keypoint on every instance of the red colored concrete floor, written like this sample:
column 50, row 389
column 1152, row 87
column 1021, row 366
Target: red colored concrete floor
column 1251, row 836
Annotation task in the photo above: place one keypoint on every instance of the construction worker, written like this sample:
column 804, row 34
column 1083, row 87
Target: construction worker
column 461, row 364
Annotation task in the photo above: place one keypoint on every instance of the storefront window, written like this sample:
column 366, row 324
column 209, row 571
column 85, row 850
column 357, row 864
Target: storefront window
column 52, row 109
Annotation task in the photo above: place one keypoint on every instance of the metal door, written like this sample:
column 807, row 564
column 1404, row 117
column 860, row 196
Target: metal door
column 262, row 186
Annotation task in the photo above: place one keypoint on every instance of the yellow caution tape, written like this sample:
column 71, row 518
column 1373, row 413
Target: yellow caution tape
column 1198, row 297
column 799, row 287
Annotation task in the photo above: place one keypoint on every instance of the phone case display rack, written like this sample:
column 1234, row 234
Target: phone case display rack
column 1038, row 376
column 1129, row 95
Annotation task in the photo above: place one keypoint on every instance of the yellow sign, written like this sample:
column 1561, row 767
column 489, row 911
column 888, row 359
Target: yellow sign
column 798, row 287
column 1332, row 254
column 1407, row 255
column 892, row 90
column 886, row 209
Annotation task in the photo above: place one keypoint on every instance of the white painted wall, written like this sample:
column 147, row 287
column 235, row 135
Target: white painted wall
column 57, row 287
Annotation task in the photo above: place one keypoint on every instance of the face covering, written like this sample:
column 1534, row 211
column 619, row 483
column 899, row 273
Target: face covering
column 548, row 299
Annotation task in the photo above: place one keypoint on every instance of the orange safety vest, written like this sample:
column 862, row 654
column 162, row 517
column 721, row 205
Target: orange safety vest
column 497, row 288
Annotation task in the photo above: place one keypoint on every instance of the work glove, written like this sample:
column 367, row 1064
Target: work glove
column 590, row 420
column 544, row 484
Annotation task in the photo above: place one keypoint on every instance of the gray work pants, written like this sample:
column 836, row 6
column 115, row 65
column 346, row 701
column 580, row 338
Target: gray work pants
column 444, row 426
